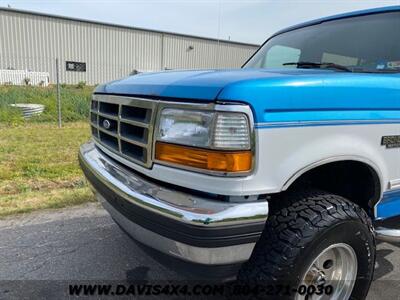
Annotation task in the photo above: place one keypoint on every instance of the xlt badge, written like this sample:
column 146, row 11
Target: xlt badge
column 391, row 141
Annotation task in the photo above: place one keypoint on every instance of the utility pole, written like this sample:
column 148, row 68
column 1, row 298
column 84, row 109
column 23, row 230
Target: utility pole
column 58, row 93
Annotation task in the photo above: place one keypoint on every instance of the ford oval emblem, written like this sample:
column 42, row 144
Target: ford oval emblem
column 106, row 124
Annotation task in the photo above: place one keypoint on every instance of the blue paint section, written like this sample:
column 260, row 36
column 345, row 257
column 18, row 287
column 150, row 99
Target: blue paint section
column 276, row 95
column 389, row 205
column 324, row 123
column 326, row 96
column 329, row 115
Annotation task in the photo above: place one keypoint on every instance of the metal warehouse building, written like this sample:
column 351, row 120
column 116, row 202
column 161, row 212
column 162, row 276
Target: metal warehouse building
column 97, row 52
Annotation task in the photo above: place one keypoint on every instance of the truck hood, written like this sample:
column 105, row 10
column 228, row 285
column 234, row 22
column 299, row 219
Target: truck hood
column 273, row 94
column 199, row 85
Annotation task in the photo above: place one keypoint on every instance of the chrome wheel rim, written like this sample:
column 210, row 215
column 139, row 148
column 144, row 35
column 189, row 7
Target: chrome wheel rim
column 335, row 266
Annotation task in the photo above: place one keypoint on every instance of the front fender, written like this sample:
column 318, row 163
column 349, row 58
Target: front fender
column 287, row 153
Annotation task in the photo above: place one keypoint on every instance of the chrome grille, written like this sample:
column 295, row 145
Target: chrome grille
column 124, row 125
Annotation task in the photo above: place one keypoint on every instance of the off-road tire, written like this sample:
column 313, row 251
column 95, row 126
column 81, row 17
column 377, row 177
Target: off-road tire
column 295, row 234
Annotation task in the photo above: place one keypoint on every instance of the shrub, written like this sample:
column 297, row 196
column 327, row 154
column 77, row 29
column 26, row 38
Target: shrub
column 27, row 81
column 81, row 84
column 10, row 115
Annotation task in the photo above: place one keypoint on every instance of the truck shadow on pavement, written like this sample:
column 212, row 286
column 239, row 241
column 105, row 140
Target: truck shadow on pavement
column 383, row 266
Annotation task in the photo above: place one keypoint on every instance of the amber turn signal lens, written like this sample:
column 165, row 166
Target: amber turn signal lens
column 214, row 160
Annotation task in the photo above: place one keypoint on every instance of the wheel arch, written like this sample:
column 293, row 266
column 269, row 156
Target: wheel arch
column 374, row 177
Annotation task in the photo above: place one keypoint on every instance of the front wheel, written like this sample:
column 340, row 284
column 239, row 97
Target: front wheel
column 317, row 239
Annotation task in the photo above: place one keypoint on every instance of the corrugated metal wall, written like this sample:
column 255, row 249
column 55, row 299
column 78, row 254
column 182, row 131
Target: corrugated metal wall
column 33, row 42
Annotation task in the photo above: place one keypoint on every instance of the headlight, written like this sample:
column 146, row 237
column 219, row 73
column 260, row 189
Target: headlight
column 192, row 128
column 215, row 130
column 216, row 141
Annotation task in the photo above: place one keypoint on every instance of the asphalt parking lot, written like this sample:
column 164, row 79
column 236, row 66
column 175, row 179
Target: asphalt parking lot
column 83, row 243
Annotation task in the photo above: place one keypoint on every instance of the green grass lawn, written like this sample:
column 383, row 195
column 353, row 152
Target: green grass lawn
column 38, row 161
column 75, row 101
column 39, row 167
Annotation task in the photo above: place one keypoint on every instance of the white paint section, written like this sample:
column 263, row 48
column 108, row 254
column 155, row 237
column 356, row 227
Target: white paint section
column 394, row 184
column 292, row 151
column 283, row 154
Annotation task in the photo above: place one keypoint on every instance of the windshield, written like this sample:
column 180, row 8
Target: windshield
column 359, row 44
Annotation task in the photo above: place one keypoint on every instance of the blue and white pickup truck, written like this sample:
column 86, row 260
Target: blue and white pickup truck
column 286, row 170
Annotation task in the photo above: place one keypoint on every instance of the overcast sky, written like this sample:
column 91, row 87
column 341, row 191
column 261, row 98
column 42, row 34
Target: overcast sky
column 249, row 21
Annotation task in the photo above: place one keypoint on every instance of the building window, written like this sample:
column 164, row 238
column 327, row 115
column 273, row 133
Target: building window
column 75, row 66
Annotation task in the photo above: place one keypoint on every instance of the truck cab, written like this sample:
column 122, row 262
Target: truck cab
column 286, row 170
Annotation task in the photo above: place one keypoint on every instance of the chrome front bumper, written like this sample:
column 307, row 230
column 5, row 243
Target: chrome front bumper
column 188, row 225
